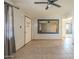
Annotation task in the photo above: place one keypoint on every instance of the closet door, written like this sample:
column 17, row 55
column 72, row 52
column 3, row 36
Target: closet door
column 27, row 30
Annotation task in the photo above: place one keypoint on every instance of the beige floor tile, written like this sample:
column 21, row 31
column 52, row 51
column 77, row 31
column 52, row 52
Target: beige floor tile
column 46, row 49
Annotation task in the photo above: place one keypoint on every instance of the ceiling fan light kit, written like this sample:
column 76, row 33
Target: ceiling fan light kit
column 49, row 3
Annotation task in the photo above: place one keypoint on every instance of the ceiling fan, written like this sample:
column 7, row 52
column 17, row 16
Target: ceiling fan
column 49, row 3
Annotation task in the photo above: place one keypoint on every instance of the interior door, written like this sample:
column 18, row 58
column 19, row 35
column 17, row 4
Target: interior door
column 27, row 30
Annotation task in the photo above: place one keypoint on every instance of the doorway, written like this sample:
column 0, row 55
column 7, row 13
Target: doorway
column 67, row 26
column 67, row 32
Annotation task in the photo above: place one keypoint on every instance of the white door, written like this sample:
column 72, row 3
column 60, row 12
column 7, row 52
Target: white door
column 27, row 30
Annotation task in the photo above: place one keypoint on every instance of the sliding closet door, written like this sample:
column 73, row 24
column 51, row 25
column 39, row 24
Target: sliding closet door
column 27, row 30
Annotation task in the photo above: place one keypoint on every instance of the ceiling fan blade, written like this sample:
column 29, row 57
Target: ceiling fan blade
column 47, row 7
column 41, row 2
column 52, row 0
column 56, row 5
column 55, row 0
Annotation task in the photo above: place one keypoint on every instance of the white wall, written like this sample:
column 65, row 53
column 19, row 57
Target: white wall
column 18, row 21
column 35, row 34
column 19, row 32
column 19, row 17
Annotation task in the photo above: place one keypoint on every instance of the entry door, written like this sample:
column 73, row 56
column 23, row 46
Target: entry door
column 27, row 30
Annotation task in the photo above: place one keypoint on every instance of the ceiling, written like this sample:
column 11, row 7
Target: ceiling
column 38, row 10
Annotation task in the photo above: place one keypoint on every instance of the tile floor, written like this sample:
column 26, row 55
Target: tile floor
column 47, row 49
